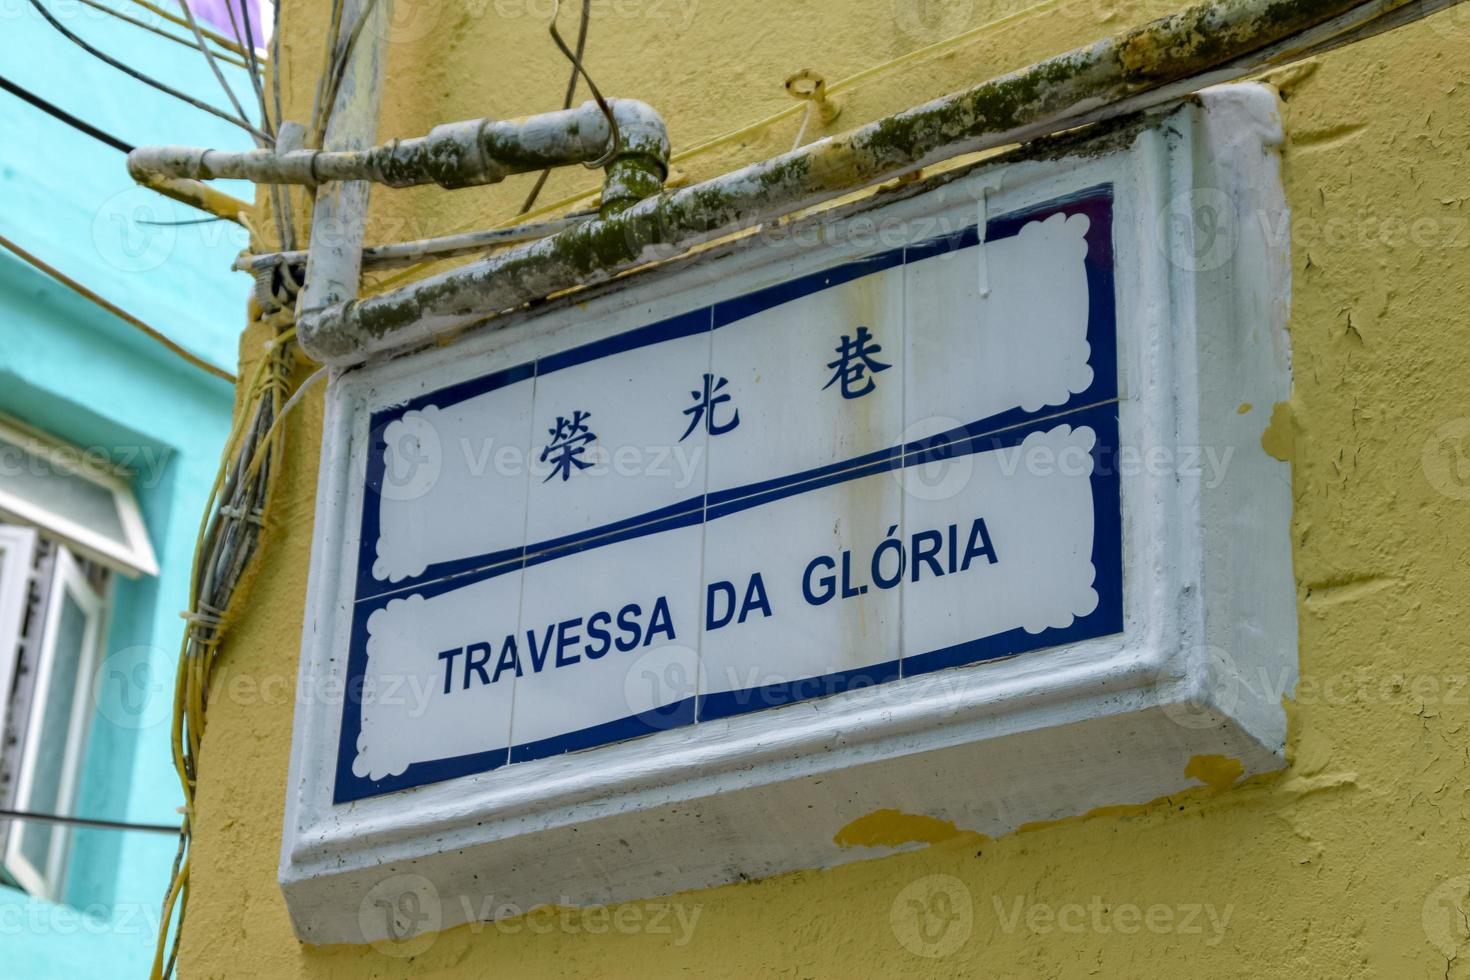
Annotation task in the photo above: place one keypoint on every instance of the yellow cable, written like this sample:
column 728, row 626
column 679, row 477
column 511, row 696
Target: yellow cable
column 172, row 18
column 169, row 901
column 192, row 677
column 121, row 314
column 97, row 5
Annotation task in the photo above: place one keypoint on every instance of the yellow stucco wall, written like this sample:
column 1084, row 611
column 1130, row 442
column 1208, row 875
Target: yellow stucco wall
column 1350, row 863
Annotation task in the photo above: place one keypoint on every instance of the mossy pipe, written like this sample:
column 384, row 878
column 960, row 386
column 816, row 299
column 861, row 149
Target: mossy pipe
column 454, row 155
column 1157, row 62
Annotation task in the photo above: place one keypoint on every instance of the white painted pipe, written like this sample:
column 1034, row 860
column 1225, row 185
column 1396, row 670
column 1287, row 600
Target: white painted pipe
column 400, row 254
column 339, row 211
column 454, row 155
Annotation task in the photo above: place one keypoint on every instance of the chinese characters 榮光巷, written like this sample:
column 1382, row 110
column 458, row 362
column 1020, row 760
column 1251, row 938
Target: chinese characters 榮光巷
column 855, row 364
column 569, row 439
column 705, row 405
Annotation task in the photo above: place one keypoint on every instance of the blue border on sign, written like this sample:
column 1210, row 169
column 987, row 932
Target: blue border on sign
column 1096, row 407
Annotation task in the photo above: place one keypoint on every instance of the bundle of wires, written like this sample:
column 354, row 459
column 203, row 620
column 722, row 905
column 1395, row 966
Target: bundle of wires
column 229, row 533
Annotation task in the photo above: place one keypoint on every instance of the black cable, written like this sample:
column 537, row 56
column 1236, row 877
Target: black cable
column 187, row 221
column 146, row 80
column 56, row 818
column 251, row 65
column 567, row 102
column 51, row 109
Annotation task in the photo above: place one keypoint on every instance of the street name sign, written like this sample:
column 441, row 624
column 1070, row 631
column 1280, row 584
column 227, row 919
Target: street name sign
column 945, row 503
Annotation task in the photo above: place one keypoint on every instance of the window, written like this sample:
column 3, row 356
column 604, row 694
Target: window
column 75, row 495
column 48, row 710
column 68, row 521
column 17, row 550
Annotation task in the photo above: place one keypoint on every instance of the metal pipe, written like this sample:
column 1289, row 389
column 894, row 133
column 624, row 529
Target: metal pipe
column 454, row 155
column 339, row 211
column 1164, row 60
column 398, row 254
column 278, row 274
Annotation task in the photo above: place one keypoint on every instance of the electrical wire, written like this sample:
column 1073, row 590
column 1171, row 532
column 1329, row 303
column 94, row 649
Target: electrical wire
column 123, row 315
column 614, row 139
column 187, row 221
column 320, row 106
column 566, row 102
column 253, row 65
column 228, row 59
column 56, row 818
column 229, row 533
column 56, row 112
column 735, row 135
column 200, row 200
column 173, row 18
column 338, row 67
column 918, row 53
column 276, row 59
column 145, row 79
column 213, row 67
column 281, row 198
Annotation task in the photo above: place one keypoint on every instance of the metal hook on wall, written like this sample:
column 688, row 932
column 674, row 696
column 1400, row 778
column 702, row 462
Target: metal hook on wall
column 810, row 87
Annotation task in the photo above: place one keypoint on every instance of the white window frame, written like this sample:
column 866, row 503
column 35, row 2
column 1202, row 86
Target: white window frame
column 67, row 579
column 133, row 558
column 17, row 553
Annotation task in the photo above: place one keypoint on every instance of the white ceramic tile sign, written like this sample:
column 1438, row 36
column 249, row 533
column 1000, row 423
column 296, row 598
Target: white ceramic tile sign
column 889, row 467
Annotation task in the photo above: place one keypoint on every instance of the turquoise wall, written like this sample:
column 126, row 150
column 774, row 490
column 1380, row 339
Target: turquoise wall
column 68, row 367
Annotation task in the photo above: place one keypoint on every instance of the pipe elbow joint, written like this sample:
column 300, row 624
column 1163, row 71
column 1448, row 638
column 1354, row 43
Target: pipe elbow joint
column 641, row 130
column 639, row 164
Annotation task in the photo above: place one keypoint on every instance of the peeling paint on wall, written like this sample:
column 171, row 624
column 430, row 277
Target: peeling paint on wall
column 894, row 828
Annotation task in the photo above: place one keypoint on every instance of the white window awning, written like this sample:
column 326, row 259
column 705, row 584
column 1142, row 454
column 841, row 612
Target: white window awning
column 74, row 496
